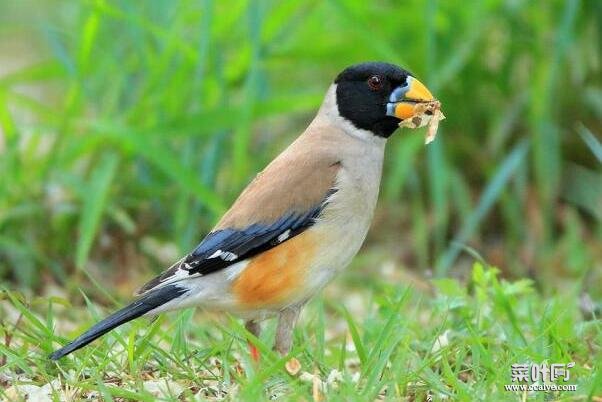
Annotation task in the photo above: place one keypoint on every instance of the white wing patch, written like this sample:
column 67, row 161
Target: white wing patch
column 183, row 268
column 284, row 235
column 180, row 273
column 224, row 255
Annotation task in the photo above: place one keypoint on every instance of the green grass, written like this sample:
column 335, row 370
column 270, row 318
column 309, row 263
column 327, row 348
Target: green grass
column 127, row 128
column 454, row 341
column 187, row 101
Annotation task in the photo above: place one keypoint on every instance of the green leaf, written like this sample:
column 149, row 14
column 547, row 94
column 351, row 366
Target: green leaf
column 591, row 141
column 94, row 203
column 488, row 198
column 355, row 336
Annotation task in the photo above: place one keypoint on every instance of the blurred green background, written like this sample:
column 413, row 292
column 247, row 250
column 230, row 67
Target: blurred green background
column 127, row 128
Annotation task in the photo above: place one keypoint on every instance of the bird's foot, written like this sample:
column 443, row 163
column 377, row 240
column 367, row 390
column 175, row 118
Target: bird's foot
column 254, row 352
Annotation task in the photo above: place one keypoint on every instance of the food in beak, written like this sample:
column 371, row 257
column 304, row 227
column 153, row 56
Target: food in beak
column 425, row 114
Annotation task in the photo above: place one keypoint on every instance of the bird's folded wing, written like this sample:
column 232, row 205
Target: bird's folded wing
column 280, row 203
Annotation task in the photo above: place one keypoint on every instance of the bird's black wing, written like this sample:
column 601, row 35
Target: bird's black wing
column 224, row 247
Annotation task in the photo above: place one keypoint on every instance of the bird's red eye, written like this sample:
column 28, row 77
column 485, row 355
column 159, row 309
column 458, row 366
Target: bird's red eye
column 375, row 83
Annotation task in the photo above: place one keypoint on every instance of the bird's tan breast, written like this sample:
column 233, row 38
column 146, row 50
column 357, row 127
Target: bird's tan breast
column 346, row 219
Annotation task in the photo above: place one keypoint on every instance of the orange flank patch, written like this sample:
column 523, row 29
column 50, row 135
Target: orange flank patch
column 274, row 277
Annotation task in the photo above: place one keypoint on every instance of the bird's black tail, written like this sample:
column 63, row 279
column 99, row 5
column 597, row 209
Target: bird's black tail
column 144, row 304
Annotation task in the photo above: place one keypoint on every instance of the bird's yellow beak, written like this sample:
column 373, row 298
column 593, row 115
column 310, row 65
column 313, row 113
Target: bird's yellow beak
column 403, row 99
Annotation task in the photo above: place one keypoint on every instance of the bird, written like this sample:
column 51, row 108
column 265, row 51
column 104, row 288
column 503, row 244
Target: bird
column 298, row 223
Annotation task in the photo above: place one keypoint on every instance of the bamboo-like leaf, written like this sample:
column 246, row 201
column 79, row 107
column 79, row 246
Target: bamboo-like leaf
column 167, row 163
column 94, row 203
column 591, row 141
column 489, row 196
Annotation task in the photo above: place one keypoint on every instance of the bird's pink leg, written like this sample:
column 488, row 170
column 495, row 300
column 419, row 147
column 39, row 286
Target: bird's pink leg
column 255, row 328
column 284, row 337
column 254, row 352
column 284, row 332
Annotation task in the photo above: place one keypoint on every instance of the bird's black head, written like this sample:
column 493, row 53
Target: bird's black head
column 376, row 96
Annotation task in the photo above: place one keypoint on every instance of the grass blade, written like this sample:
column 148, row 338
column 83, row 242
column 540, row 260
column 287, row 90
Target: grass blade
column 591, row 141
column 488, row 198
column 94, row 205
column 355, row 336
